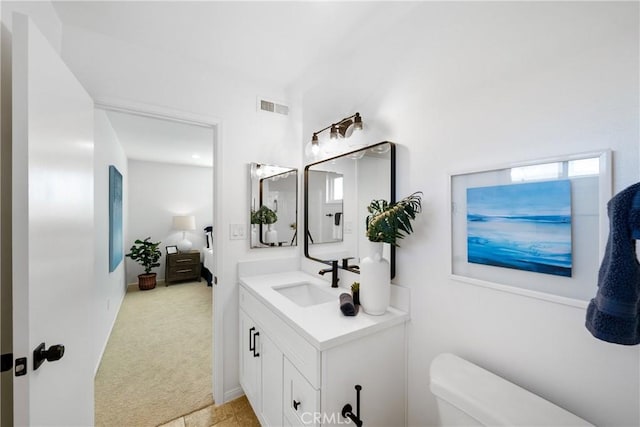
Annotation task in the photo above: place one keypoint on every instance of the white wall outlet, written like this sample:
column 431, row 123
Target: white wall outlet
column 237, row 232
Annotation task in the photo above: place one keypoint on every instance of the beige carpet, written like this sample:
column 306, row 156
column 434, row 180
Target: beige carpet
column 157, row 364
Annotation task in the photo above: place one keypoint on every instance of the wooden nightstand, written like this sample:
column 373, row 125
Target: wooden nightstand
column 182, row 266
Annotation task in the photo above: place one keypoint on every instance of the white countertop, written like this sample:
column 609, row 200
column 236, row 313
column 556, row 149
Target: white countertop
column 323, row 325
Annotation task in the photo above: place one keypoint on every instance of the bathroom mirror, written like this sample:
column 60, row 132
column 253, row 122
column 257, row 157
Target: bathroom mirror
column 337, row 192
column 274, row 206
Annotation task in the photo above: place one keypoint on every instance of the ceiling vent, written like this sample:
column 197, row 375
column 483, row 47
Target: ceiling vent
column 272, row 107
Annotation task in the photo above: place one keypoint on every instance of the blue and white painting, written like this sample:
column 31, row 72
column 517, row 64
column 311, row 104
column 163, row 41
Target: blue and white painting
column 521, row 226
column 116, row 240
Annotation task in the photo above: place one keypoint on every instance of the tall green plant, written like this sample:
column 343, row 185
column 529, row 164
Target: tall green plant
column 145, row 253
column 388, row 222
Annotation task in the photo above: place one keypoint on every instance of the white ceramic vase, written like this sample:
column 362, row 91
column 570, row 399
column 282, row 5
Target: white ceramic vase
column 254, row 234
column 375, row 285
column 271, row 236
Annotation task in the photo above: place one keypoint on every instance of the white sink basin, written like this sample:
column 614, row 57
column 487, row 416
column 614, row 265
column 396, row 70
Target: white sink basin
column 305, row 294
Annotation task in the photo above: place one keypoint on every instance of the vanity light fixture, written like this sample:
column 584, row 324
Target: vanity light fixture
column 341, row 129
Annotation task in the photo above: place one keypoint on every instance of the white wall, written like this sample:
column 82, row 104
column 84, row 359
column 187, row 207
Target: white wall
column 473, row 85
column 157, row 192
column 109, row 287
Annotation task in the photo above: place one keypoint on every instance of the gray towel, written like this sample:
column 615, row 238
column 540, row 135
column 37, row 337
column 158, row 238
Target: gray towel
column 614, row 314
column 346, row 305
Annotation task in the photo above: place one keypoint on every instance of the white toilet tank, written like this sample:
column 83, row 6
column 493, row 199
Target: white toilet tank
column 468, row 395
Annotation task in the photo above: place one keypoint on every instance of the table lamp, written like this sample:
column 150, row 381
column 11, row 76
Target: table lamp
column 184, row 223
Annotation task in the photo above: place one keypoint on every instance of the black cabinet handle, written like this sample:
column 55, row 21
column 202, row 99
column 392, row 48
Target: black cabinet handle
column 251, row 344
column 296, row 404
column 255, row 353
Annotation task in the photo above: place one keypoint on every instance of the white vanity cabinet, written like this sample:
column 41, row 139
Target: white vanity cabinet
column 293, row 380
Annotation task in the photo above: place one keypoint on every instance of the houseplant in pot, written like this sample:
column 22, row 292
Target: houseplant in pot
column 386, row 223
column 266, row 216
column 146, row 254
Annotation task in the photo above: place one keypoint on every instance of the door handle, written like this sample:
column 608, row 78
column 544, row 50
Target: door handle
column 53, row 353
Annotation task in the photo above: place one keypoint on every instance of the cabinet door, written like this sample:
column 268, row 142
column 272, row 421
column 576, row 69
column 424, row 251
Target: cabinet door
column 301, row 401
column 271, row 382
column 250, row 360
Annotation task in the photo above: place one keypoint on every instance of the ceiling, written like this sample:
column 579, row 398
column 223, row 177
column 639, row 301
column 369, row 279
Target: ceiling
column 270, row 42
column 273, row 43
column 159, row 140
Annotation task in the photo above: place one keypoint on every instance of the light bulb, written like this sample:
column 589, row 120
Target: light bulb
column 357, row 122
column 334, row 132
column 312, row 148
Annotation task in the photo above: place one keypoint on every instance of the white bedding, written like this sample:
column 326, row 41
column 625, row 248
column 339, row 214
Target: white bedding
column 208, row 259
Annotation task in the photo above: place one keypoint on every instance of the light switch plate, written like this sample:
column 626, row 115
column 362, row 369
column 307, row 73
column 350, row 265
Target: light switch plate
column 237, row 232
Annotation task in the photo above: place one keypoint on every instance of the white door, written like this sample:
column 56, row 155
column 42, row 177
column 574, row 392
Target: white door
column 52, row 232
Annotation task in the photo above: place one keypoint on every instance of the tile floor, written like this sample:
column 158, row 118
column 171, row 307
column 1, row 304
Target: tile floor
column 237, row 413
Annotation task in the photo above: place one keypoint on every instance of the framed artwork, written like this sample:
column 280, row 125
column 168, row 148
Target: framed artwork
column 172, row 250
column 537, row 228
column 522, row 226
column 116, row 242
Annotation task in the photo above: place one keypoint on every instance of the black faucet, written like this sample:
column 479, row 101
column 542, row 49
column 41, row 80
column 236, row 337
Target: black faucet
column 334, row 273
column 346, row 266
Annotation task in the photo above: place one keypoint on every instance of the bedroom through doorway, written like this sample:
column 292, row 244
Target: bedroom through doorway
column 157, row 362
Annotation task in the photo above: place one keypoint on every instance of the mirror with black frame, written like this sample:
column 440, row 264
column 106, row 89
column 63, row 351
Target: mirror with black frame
column 274, row 206
column 337, row 192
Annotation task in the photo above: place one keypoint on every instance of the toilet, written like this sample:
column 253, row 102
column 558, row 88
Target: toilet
column 468, row 395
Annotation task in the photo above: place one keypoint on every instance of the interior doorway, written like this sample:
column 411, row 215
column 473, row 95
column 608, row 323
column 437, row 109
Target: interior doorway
column 174, row 154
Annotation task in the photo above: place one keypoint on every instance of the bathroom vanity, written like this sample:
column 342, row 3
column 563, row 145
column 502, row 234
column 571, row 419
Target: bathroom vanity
column 301, row 358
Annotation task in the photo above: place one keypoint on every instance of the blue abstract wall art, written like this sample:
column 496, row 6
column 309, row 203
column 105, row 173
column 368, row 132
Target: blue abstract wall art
column 116, row 242
column 521, row 226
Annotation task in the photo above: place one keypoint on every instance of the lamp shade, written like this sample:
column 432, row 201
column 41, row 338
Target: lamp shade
column 183, row 223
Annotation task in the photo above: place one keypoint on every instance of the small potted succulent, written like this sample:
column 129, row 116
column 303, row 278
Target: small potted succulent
column 146, row 254
column 355, row 292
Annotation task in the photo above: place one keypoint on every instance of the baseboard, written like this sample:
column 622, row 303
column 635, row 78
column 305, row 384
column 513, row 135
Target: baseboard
column 230, row 395
column 104, row 346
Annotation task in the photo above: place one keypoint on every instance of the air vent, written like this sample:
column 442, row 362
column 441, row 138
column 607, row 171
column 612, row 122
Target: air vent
column 273, row 107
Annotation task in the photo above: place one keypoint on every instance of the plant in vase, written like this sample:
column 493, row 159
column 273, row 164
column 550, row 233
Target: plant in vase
column 266, row 216
column 146, row 254
column 386, row 223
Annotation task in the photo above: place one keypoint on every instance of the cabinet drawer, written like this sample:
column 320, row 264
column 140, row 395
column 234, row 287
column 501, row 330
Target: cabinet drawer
column 176, row 260
column 183, row 272
column 299, row 351
column 301, row 400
